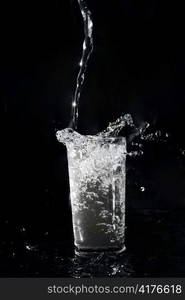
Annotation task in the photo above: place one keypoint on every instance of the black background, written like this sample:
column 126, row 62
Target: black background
column 137, row 67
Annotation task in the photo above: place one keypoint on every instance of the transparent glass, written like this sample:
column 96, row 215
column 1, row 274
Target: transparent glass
column 97, row 192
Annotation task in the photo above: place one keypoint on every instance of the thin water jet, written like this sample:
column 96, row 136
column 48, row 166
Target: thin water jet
column 87, row 50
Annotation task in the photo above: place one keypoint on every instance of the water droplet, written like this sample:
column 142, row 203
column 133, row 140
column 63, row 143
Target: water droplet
column 22, row 229
column 30, row 247
column 183, row 152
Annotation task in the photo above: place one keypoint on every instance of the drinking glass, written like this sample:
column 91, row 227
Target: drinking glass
column 97, row 193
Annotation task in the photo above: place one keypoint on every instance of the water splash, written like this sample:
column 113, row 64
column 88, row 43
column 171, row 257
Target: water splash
column 114, row 128
column 87, row 50
column 135, row 136
column 124, row 122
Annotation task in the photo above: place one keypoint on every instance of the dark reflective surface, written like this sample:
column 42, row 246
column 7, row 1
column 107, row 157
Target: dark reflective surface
column 155, row 248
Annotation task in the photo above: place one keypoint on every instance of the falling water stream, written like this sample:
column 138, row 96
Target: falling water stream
column 87, row 50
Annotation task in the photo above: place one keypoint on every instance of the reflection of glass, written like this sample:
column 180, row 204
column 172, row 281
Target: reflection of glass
column 97, row 191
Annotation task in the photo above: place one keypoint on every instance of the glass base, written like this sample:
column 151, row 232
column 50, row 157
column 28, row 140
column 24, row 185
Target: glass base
column 98, row 251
